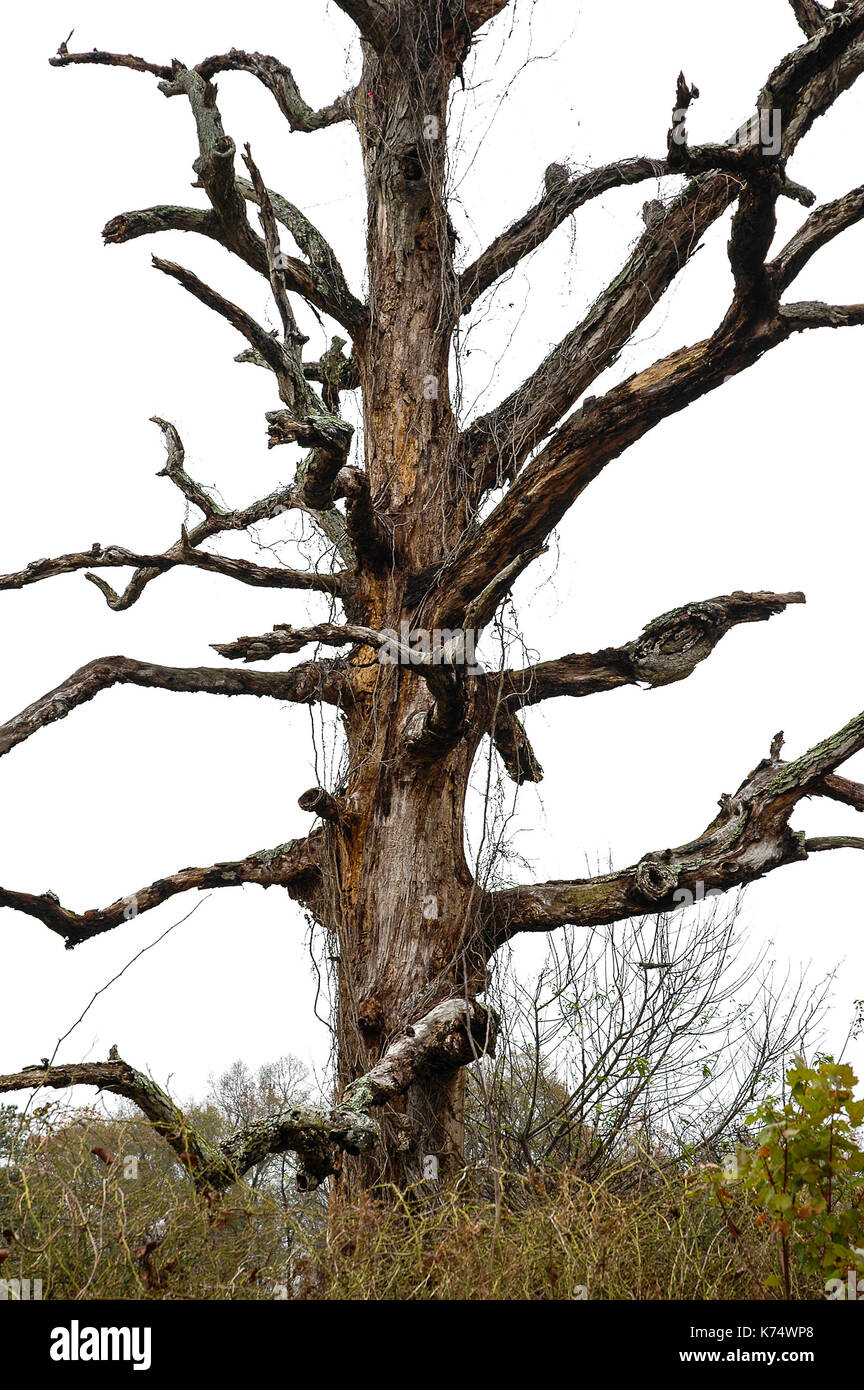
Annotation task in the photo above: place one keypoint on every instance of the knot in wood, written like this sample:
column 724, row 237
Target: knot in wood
column 654, row 879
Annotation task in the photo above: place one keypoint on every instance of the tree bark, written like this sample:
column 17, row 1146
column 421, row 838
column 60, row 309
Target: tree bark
column 401, row 890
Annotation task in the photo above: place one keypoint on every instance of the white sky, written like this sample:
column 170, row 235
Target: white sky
column 757, row 486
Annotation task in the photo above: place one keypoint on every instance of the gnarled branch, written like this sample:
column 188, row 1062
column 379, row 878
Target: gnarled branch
column 148, row 566
column 452, row 1035
column 750, row 837
column 227, row 223
column 279, row 80
column 327, row 274
column 201, row 1158
column 285, row 639
column 797, row 318
column 602, row 429
column 668, row 650
column 216, row 520
column 495, row 446
column 263, row 342
column 305, row 684
column 215, row 163
column 293, row 865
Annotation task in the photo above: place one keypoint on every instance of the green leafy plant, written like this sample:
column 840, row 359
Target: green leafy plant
column 804, row 1175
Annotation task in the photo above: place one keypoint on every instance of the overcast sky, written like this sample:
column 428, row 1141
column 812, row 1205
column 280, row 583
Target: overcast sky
column 759, row 485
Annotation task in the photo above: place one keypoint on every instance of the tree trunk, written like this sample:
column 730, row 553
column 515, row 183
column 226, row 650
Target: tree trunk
column 402, row 908
column 401, row 891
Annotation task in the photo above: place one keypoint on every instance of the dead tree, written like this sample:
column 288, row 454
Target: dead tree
column 431, row 527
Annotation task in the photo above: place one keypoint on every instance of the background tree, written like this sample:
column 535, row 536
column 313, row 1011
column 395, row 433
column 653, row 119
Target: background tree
column 431, row 532
column 636, row 1046
column 93, row 1203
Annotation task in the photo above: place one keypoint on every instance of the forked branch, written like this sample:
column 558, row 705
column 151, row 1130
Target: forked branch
column 802, row 88
column 148, row 566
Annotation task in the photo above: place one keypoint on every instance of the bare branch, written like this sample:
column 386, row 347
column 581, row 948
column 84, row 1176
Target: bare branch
column 799, row 317
column 514, row 748
column 318, row 1137
column 192, row 491
column 559, row 202
column 820, row 228
column 312, row 1134
column 319, row 802
column 841, row 789
column 202, row 1160
column 599, row 432
column 328, row 436
column 296, row 274
column 482, row 609
column 228, row 223
column 329, row 439
column 294, row 339
column 63, row 58
column 433, row 730
column 264, row 343
column 749, row 838
column 821, row 842
column 668, row 650
column 328, row 276
column 753, row 228
column 279, row 80
column 744, row 156
column 294, row 864
column 216, row 520
column 286, row 640
column 117, row 557
column 496, row 445
column 215, row 163
column 335, row 372
column 306, row 684
column 165, row 217
column 450, row 1036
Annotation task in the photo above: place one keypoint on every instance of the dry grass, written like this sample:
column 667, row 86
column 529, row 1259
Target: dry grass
column 609, row 1240
column 92, row 1225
